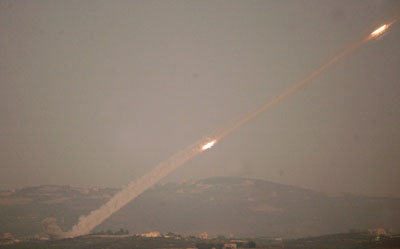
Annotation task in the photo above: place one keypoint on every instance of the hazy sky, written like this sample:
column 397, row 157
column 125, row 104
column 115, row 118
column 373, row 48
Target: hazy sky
column 100, row 92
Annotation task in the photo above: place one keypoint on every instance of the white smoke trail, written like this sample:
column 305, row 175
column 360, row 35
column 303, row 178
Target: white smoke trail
column 300, row 84
column 135, row 188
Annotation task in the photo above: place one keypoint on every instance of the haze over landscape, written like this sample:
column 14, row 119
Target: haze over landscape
column 98, row 93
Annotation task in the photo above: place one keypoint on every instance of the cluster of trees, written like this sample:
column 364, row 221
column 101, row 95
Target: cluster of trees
column 110, row 232
column 204, row 245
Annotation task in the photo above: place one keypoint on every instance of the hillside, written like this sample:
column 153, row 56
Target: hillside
column 358, row 240
column 238, row 206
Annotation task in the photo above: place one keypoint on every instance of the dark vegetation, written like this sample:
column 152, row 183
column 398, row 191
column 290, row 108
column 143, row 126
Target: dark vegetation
column 361, row 240
column 121, row 231
column 137, row 242
column 219, row 244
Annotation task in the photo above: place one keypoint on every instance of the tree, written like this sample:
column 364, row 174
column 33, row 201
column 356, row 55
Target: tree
column 251, row 244
column 202, row 245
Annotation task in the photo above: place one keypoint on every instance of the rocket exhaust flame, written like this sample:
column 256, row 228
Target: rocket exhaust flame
column 379, row 30
column 208, row 145
column 135, row 188
column 382, row 29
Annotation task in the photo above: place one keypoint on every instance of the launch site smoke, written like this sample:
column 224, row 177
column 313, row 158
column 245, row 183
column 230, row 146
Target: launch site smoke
column 51, row 228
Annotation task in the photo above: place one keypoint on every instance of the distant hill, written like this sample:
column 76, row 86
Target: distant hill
column 219, row 206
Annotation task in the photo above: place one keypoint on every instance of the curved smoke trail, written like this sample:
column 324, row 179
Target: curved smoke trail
column 135, row 188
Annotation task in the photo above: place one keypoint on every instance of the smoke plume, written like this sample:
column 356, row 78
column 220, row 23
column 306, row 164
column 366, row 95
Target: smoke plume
column 51, row 228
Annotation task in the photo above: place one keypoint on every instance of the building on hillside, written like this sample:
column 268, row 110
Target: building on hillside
column 151, row 235
column 203, row 235
column 380, row 231
column 8, row 236
column 230, row 246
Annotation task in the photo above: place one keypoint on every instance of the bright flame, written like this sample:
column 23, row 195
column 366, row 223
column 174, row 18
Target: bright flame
column 379, row 30
column 208, row 145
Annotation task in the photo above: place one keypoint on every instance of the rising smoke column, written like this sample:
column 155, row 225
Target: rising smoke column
column 137, row 187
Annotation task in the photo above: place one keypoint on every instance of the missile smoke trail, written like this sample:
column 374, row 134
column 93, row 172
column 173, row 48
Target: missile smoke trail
column 137, row 187
column 294, row 88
